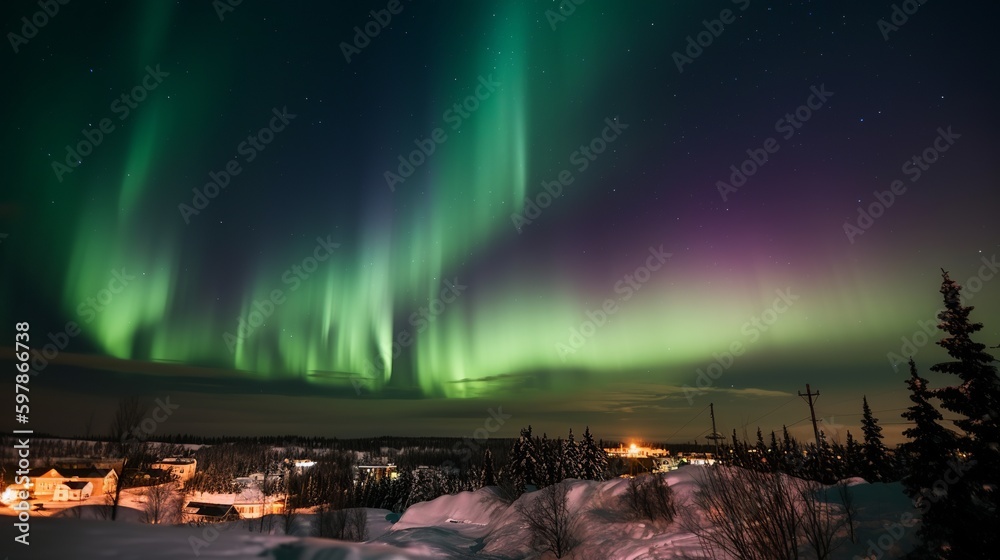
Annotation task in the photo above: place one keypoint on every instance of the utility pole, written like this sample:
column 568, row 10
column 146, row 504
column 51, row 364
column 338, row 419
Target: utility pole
column 716, row 436
column 812, row 412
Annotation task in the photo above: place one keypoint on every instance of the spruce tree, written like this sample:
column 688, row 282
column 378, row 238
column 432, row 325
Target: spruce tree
column 853, row 456
column 929, row 450
column 774, row 454
column 875, row 467
column 532, row 464
column 571, row 452
column 595, row 460
column 975, row 496
column 489, row 470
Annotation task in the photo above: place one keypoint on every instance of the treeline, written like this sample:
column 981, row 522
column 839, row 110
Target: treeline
column 824, row 462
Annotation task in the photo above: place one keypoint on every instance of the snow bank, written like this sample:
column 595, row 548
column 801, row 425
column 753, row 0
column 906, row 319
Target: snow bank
column 468, row 525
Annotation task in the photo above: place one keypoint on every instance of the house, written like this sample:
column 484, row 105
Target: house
column 251, row 502
column 375, row 472
column 47, row 479
column 73, row 491
column 105, row 480
column 181, row 468
column 201, row 512
column 634, row 451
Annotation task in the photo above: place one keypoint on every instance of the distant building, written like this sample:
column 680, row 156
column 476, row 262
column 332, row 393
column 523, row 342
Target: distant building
column 299, row 465
column 696, row 458
column 251, row 502
column 375, row 472
column 181, row 468
column 634, row 451
column 200, row 512
column 47, row 479
column 73, row 491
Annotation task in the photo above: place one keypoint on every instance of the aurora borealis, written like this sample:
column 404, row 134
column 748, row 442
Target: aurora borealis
column 291, row 226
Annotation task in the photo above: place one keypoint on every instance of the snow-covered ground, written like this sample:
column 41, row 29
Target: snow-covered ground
column 467, row 525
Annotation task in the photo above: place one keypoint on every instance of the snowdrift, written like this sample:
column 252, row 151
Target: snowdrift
column 468, row 525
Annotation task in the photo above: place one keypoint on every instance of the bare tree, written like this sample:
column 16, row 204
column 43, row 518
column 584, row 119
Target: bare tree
column 549, row 521
column 162, row 503
column 744, row 514
column 821, row 520
column 125, row 437
column 104, row 510
column 349, row 524
column 288, row 513
column 752, row 515
column 850, row 508
column 650, row 497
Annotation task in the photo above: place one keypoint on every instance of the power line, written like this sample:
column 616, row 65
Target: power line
column 686, row 423
column 786, row 403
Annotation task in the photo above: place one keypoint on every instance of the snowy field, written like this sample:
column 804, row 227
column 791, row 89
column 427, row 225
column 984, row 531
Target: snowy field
column 467, row 525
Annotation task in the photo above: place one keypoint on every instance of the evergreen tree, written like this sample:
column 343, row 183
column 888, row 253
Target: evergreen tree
column 532, row 464
column 774, row 456
column 853, row 458
column 975, row 497
column 489, row 475
column 559, row 450
column 595, row 460
column 571, row 453
column 518, row 460
column 929, row 450
column 875, row 465
column 549, row 462
column 791, row 455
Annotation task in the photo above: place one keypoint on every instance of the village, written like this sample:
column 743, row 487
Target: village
column 60, row 486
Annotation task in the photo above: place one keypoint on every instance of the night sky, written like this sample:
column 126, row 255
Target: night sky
column 284, row 225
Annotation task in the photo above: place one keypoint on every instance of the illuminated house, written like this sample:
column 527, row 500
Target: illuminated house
column 375, row 472
column 73, row 491
column 182, row 469
column 47, row 480
column 634, row 451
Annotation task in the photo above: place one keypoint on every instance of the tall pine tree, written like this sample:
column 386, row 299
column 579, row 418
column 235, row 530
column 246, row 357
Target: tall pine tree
column 853, row 456
column 571, row 452
column 976, row 399
column 489, row 470
column 929, row 450
column 595, row 460
column 876, row 467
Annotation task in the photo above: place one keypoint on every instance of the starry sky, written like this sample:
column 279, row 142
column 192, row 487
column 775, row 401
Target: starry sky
column 368, row 218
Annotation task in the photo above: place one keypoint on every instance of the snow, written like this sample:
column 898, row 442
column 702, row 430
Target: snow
column 467, row 525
